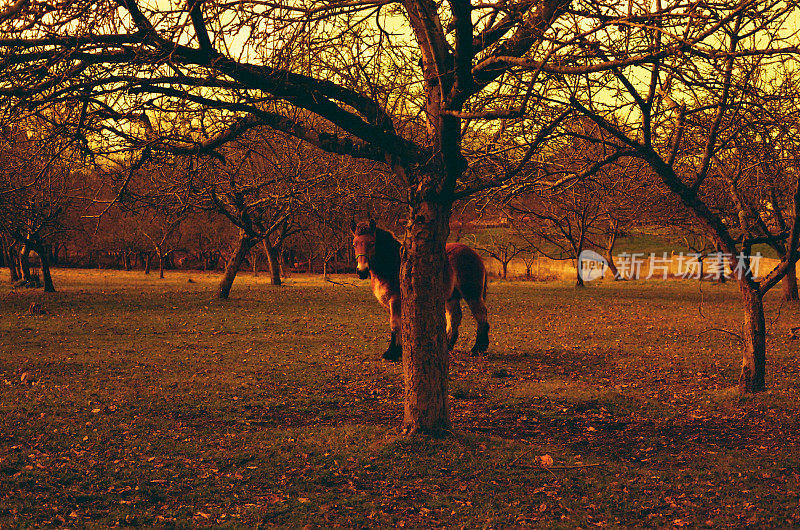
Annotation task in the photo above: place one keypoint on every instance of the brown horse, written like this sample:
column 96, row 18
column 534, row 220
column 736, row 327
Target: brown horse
column 378, row 258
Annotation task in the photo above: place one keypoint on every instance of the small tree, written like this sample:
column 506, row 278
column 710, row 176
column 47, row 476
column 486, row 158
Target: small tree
column 503, row 249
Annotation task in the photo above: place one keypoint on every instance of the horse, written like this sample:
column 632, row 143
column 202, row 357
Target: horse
column 378, row 258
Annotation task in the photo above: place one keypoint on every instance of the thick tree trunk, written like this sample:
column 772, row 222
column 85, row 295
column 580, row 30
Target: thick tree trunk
column 505, row 270
column 245, row 244
column 273, row 260
column 127, row 260
column 578, row 279
column 755, row 339
column 47, row 279
column 789, row 285
column 160, row 264
column 422, row 286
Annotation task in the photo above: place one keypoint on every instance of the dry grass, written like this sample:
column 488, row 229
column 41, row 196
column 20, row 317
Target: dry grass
column 152, row 403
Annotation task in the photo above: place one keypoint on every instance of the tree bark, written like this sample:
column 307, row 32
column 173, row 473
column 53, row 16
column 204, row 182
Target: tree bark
column 612, row 241
column 243, row 248
column 47, row 279
column 422, row 287
column 273, row 259
column 755, row 339
column 789, row 285
column 612, row 267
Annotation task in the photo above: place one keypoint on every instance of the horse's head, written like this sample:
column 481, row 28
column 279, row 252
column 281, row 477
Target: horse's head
column 364, row 246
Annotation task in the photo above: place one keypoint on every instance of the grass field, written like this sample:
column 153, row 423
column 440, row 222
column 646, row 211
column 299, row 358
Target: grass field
column 139, row 401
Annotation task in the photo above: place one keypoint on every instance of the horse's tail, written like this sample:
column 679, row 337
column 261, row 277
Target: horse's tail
column 485, row 283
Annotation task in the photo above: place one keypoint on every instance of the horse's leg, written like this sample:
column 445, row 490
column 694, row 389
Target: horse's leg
column 453, row 317
column 478, row 309
column 395, row 351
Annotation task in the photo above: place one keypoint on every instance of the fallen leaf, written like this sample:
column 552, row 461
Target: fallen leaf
column 544, row 461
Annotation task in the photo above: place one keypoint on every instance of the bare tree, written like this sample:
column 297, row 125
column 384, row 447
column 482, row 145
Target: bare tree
column 686, row 86
column 37, row 188
column 409, row 85
column 569, row 202
column 270, row 187
column 503, row 249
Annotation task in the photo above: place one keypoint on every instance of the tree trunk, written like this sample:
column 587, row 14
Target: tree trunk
column 505, row 269
column 25, row 264
column 127, row 259
column 578, row 280
column 11, row 260
column 789, row 285
column 146, row 260
column 422, row 287
column 273, row 259
column 245, row 244
column 755, row 339
column 160, row 263
column 612, row 267
column 612, row 241
column 47, row 279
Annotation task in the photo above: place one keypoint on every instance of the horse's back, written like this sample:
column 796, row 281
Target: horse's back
column 469, row 272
